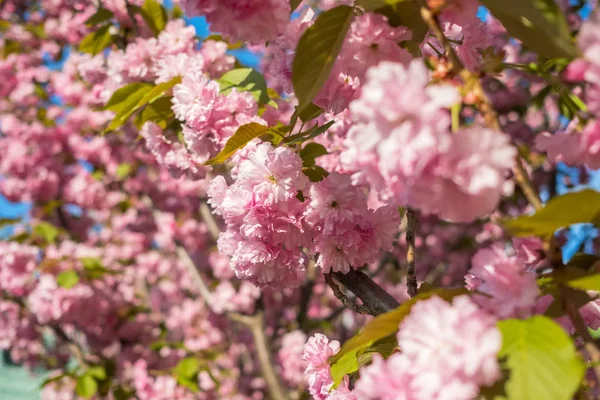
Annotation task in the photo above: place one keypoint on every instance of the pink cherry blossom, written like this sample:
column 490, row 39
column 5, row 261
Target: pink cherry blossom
column 17, row 263
column 316, row 353
column 508, row 290
column 245, row 20
column 290, row 357
column 456, row 344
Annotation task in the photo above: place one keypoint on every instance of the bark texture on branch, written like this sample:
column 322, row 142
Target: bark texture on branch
column 370, row 293
column 411, row 230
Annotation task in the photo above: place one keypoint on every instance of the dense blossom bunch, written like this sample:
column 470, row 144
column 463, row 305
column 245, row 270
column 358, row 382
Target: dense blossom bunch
column 17, row 263
column 369, row 41
column 409, row 165
column 347, row 234
column 401, row 145
column 316, row 352
column 448, row 352
column 210, row 117
column 253, row 20
column 263, row 216
column 508, row 290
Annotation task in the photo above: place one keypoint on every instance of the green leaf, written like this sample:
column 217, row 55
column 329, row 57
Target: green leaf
column 10, row 47
column 125, row 102
column 46, row 231
column 294, row 4
column 310, row 152
column 8, row 221
column 559, row 212
column 191, row 384
column 53, row 379
column 67, row 279
column 578, row 278
column 97, row 372
column 542, row 359
column 315, row 173
column 159, row 112
column 4, row 26
column 99, row 16
column 97, row 41
column 98, row 174
column 121, row 96
column 158, row 91
column 186, row 372
column 388, row 323
column 317, row 51
column 94, row 268
column 400, row 13
column 589, row 282
column 352, row 361
column 372, row 5
column 123, row 393
column 309, row 134
column 91, row 263
column 20, row 238
column 86, row 386
column 539, row 24
column 309, row 112
column 557, row 308
column 240, row 138
column 584, row 261
column 187, row 368
column 123, row 170
column 540, row 97
column 155, row 15
column 245, row 80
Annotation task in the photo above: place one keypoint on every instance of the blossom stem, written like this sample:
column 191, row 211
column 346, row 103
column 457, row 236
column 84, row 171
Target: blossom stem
column 488, row 112
column 411, row 230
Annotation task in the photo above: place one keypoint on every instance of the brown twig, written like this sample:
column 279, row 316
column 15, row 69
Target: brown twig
column 306, row 291
column 590, row 345
column 488, row 112
column 256, row 324
column 411, row 230
column 191, row 267
column 209, row 220
column 358, row 308
column 370, row 293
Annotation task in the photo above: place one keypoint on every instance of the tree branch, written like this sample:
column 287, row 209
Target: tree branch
column 255, row 323
column 371, row 294
column 590, row 345
column 306, row 291
column 358, row 308
column 209, row 220
column 411, row 230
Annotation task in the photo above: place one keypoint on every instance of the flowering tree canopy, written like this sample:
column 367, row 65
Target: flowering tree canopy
column 370, row 213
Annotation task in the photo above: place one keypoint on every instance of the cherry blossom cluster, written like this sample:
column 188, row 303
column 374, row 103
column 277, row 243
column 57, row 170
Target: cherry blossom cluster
column 119, row 266
column 272, row 212
column 579, row 144
column 447, row 352
column 402, row 146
